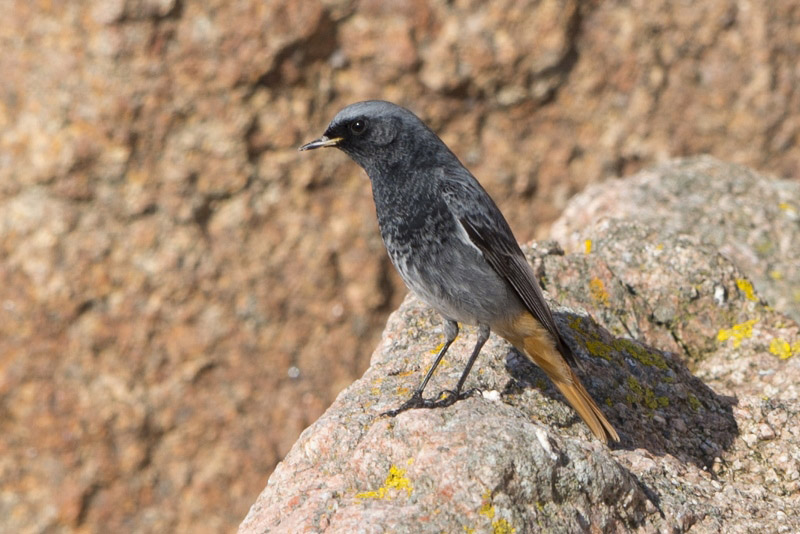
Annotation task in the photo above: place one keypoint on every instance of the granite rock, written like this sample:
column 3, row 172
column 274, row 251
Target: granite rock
column 709, row 449
column 181, row 293
column 753, row 221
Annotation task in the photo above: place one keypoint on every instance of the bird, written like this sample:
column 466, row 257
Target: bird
column 454, row 249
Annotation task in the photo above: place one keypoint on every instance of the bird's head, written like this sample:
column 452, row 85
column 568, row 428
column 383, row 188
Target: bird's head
column 376, row 135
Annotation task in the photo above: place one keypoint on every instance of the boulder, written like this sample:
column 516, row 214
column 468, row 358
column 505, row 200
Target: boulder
column 697, row 373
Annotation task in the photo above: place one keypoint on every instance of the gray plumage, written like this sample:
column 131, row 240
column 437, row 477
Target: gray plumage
column 443, row 232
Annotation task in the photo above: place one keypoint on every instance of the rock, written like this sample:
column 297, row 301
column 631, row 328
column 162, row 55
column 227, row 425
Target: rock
column 709, row 447
column 752, row 221
column 181, row 292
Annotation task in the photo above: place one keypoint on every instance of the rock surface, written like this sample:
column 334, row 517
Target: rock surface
column 752, row 221
column 687, row 361
column 181, row 293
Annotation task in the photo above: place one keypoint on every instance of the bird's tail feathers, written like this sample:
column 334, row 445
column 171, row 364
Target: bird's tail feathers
column 583, row 403
column 530, row 336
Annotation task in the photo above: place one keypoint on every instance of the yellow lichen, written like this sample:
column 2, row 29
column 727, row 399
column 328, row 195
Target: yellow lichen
column 598, row 291
column 469, row 530
column 444, row 394
column 487, row 508
column 380, row 494
column 396, row 480
column 437, row 348
column 501, row 526
column 776, row 275
column 746, row 287
column 660, row 246
column 781, row 348
column 587, row 246
column 738, row 332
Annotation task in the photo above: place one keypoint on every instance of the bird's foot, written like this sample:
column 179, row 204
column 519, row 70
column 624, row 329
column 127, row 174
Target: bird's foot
column 445, row 398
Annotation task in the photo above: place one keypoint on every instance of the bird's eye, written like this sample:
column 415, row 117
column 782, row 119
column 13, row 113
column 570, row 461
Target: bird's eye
column 358, row 126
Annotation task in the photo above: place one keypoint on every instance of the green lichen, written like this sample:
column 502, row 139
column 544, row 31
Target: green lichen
column 694, row 402
column 644, row 396
column 634, row 385
column 653, row 402
column 599, row 349
column 541, row 384
column 764, row 247
column 651, row 358
column 576, row 323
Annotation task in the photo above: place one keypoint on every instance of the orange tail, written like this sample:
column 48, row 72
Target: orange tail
column 579, row 399
column 530, row 337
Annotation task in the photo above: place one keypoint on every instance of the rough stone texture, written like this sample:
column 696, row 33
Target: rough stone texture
column 181, row 292
column 709, row 451
column 752, row 221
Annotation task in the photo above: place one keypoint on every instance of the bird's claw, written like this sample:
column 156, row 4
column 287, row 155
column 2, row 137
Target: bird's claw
column 445, row 398
column 416, row 401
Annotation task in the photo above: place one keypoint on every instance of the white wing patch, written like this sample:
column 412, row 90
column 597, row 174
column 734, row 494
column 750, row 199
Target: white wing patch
column 464, row 236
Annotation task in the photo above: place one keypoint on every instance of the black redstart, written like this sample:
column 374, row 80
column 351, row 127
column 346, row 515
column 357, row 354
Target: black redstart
column 453, row 247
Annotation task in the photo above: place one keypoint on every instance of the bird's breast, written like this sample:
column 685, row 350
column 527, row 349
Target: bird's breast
column 432, row 257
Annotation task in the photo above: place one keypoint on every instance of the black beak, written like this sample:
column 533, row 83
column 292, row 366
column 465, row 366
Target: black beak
column 319, row 143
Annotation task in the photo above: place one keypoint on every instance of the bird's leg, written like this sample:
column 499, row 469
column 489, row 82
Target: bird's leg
column 416, row 400
column 448, row 397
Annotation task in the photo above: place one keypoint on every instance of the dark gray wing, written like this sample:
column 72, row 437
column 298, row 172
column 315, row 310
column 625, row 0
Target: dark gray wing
column 489, row 231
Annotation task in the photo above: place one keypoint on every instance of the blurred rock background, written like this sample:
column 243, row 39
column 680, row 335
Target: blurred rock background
column 181, row 292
